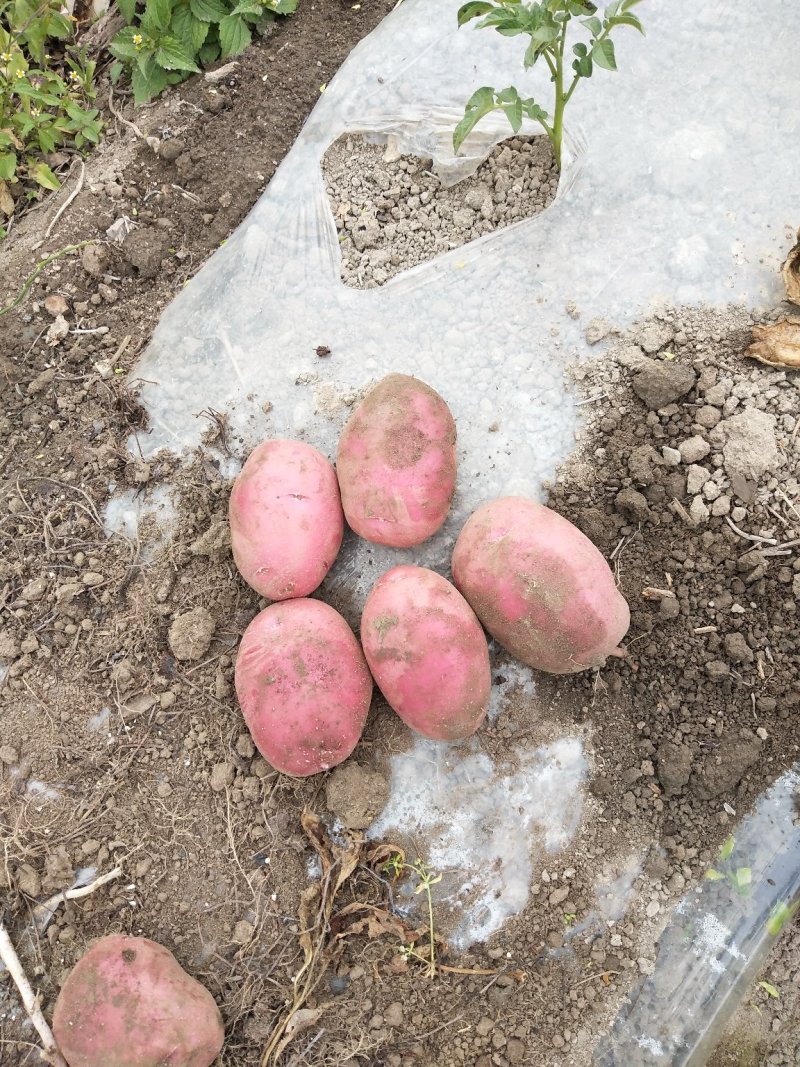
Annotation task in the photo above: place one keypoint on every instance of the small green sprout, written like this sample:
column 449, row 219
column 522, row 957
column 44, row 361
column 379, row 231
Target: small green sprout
column 427, row 877
column 739, row 878
column 770, row 990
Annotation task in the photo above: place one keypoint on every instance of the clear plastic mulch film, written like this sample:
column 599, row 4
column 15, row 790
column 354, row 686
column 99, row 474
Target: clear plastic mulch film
column 679, row 186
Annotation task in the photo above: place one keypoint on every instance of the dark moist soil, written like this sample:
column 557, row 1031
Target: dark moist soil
column 121, row 741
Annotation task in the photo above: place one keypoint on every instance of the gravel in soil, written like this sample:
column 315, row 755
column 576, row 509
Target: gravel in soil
column 392, row 212
column 121, row 738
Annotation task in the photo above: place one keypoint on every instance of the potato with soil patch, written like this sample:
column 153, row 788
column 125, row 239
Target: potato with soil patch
column 128, row 1003
column 286, row 519
column 396, row 463
column 539, row 586
column 427, row 652
column 303, row 685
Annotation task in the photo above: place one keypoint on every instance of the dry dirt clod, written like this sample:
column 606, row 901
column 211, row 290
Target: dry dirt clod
column 660, row 382
column 356, row 795
column 190, row 634
column 56, row 304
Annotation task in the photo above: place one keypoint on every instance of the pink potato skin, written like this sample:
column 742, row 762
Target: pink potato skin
column 539, row 586
column 427, row 653
column 129, row 1003
column 286, row 519
column 303, row 685
column 396, row 463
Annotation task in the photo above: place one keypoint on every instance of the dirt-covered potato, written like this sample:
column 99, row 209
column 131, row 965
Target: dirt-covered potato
column 286, row 519
column 303, row 685
column 427, row 652
column 539, row 586
column 396, row 463
column 129, row 1003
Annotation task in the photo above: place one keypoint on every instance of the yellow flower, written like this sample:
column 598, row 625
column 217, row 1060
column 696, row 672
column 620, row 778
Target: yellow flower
column 73, row 77
column 20, row 73
column 137, row 38
column 6, row 57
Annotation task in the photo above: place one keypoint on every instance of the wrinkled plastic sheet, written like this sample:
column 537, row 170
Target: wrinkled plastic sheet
column 679, row 185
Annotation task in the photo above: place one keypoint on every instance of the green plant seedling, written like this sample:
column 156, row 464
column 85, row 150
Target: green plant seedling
column 167, row 40
column 547, row 27
column 570, row 918
column 740, row 879
column 782, row 913
column 45, row 99
column 769, row 989
column 426, row 878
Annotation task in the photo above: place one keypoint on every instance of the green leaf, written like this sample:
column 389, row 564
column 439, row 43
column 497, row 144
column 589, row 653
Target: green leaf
column 208, row 10
column 713, row 876
column 209, row 53
column 248, row 7
column 234, row 36
column 148, row 81
column 8, row 164
column 626, row 5
column 479, row 104
column 511, row 106
column 283, row 7
column 533, row 111
column 727, row 848
column 115, row 70
column 127, row 8
column 593, row 25
column 770, row 990
column 43, row 176
column 159, row 14
column 603, row 54
column 172, row 54
column 47, row 140
column 122, row 46
column 576, row 7
column 627, row 20
column 60, row 27
column 743, row 877
column 189, row 29
column 473, row 10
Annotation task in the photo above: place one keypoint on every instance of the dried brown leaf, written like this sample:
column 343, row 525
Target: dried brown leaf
column 777, row 345
column 791, row 273
column 6, row 200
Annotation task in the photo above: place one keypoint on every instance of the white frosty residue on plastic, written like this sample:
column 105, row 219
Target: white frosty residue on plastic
column 99, row 721
column 649, row 1044
column 482, row 825
column 614, row 896
column 508, row 677
column 41, row 790
column 712, row 939
column 126, row 511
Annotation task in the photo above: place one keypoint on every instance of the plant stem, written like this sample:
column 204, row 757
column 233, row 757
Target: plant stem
column 430, row 929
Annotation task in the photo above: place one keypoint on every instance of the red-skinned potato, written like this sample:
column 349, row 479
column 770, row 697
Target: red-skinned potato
column 396, row 463
column 303, row 685
column 539, row 586
column 129, row 1003
column 427, row 653
column 286, row 519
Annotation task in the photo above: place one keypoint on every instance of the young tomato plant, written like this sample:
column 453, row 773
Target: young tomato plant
column 166, row 40
column 547, row 25
column 44, row 99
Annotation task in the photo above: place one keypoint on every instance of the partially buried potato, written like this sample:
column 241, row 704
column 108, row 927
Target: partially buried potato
column 303, row 685
column 539, row 586
column 427, row 652
column 396, row 463
column 129, row 1003
column 286, row 519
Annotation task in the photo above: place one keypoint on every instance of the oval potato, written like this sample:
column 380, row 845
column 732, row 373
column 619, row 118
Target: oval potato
column 396, row 463
column 427, row 653
column 128, row 1003
column 303, row 685
column 286, row 519
column 539, row 586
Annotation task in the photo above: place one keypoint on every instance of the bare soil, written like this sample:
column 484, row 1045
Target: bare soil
column 120, row 738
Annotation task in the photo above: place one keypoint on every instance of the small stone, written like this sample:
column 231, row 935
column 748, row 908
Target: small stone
column 669, row 608
column 28, row 881
column 658, row 383
column 108, row 293
column 171, row 149
column 711, row 491
column 515, row 1050
column 796, row 586
column 707, row 416
column 693, row 449
column 725, row 767
column 190, row 635
column 55, row 304
column 484, row 1027
column 696, row 478
column 95, row 260
column 245, row 746
column 717, row 669
column 739, row 514
column 35, row 590
column 463, row 218
column 751, row 448
column 672, row 456
column 761, row 733
column 631, row 503
column 655, row 336
column 243, row 932
column 558, row 896
column 164, row 789
column 737, row 648
column 596, row 330
column 393, row 1016
column 652, row 909
column 698, row 512
column 9, row 755
column 674, row 766
column 222, row 775
column 92, row 578
column 721, row 506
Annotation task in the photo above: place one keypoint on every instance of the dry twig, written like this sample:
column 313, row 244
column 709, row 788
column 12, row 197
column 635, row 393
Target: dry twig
column 29, row 999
